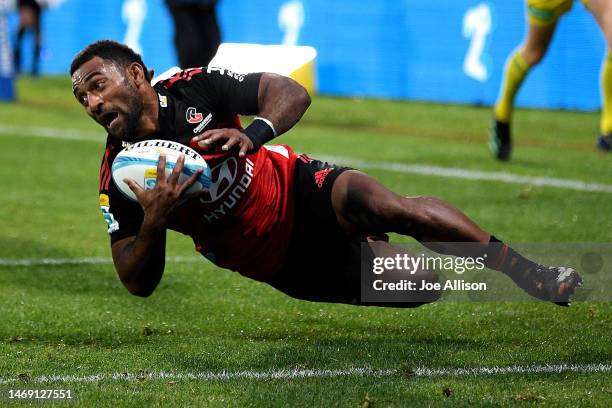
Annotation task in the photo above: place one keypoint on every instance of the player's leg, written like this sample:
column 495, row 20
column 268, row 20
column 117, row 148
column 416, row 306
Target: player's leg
column 37, row 40
column 186, row 43
column 210, row 34
column 602, row 11
column 542, row 21
column 17, row 50
column 323, row 262
column 25, row 21
column 364, row 206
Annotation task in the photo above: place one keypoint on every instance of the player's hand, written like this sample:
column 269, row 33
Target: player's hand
column 229, row 138
column 159, row 202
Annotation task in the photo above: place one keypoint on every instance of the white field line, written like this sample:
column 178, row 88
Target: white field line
column 405, row 168
column 85, row 261
column 303, row 373
column 466, row 174
column 53, row 133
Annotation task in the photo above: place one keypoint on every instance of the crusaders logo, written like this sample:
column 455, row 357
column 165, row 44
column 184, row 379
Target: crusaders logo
column 193, row 116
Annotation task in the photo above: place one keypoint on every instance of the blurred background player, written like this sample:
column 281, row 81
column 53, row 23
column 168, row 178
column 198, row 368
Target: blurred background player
column 543, row 16
column 196, row 31
column 29, row 19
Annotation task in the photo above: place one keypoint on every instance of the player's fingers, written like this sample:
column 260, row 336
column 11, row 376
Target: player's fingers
column 191, row 180
column 231, row 142
column 134, row 186
column 201, row 138
column 212, row 139
column 176, row 171
column 161, row 169
column 244, row 148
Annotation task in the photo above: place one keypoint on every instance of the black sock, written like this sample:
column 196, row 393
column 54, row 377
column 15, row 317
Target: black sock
column 501, row 257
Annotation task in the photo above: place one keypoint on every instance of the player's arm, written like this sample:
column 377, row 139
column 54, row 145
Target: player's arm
column 140, row 259
column 282, row 101
column 278, row 105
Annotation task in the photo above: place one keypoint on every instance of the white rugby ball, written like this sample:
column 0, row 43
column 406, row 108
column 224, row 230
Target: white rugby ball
column 139, row 162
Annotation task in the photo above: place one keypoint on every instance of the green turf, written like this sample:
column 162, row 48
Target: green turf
column 79, row 320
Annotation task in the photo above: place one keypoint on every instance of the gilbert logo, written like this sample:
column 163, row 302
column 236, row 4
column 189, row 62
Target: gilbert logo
column 193, row 116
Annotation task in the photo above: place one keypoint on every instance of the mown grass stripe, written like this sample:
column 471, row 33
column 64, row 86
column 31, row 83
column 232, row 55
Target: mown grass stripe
column 83, row 261
column 406, row 168
column 466, row 174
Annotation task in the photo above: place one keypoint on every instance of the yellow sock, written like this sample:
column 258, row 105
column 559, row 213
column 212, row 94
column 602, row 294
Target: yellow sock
column 514, row 73
column 606, row 95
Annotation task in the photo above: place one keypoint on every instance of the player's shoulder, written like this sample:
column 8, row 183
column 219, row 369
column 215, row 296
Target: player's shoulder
column 177, row 78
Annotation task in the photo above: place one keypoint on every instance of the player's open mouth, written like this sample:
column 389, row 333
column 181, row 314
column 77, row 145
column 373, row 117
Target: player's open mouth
column 108, row 119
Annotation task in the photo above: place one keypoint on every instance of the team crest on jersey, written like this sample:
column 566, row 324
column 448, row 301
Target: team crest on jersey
column 193, row 116
column 163, row 101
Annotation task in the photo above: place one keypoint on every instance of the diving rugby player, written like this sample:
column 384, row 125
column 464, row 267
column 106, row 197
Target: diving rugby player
column 270, row 214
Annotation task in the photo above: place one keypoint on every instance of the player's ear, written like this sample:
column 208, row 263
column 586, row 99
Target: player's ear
column 136, row 73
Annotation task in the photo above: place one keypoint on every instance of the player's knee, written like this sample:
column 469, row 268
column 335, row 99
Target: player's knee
column 533, row 56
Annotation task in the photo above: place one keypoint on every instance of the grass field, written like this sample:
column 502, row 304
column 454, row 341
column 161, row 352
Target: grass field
column 209, row 337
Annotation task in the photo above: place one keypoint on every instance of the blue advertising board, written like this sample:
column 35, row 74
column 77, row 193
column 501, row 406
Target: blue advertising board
column 6, row 59
column 446, row 50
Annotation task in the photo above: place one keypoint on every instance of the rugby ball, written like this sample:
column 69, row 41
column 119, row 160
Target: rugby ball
column 139, row 162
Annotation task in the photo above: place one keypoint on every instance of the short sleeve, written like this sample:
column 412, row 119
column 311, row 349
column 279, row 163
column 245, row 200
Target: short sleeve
column 220, row 89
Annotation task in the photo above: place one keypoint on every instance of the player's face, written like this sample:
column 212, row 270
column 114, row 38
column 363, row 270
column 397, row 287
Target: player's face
column 109, row 97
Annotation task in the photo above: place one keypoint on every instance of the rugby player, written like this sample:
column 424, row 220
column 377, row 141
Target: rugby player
column 270, row 214
column 542, row 18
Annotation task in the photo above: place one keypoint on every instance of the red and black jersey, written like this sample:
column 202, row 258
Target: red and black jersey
column 244, row 222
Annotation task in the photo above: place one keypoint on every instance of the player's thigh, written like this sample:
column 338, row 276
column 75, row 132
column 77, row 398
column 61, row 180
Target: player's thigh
column 542, row 17
column 602, row 11
column 364, row 206
column 547, row 12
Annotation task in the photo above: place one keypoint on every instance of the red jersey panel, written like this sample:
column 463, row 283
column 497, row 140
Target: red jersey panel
column 246, row 219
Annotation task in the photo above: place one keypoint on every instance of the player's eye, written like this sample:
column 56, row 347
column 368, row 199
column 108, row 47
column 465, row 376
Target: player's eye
column 99, row 85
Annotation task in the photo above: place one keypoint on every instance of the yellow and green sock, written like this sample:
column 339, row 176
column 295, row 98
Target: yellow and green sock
column 606, row 95
column 515, row 72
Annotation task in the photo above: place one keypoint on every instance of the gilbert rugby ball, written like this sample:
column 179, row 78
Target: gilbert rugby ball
column 139, row 162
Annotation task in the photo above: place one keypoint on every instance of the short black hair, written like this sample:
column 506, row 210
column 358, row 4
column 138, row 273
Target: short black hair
column 111, row 51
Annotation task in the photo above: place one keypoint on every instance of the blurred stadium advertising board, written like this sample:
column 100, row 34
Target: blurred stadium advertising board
column 297, row 62
column 6, row 56
column 447, row 50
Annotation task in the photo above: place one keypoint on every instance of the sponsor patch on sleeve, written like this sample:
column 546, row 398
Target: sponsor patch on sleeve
column 113, row 224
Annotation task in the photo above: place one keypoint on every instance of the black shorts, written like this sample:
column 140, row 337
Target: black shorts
column 323, row 262
column 320, row 253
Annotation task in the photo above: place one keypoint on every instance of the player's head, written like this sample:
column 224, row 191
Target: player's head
column 108, row 79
